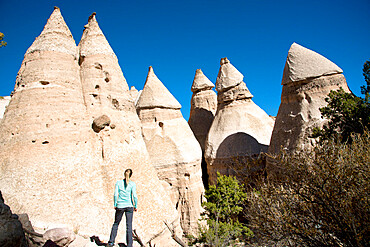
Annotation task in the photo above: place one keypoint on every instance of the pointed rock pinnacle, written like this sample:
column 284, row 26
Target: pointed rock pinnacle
column 56, row 36
column 302, row 64
column 93, row 40
column 228, row 76
column 201, row 82
column 155, row 94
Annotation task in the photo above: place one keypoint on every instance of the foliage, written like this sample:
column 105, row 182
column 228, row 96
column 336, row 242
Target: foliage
column 315, row 198
column 366, row 73
column 2, row 43
column 346, row 113
column 224, row 206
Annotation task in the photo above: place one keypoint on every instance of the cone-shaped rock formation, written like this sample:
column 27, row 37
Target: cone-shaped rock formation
column 202, row 112
column 173, row 149
column 62, row 152
column 121, row 144
column 240, row 129
column 203, row 107
column 307, row 80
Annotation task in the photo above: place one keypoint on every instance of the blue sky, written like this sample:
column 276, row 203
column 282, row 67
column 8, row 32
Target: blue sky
column 178, row 37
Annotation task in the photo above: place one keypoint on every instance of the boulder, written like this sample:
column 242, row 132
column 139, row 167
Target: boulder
column 173, row 149
column 307, row 80
column 60, row 236
column 240, row 129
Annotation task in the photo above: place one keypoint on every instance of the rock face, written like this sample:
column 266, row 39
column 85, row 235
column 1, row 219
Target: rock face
column 202, row 112
column 4, row 102
column 240, row 129
column 11, row 232
column 307, row 80
column 203, row 107
column 173, row 149
column 54, row 166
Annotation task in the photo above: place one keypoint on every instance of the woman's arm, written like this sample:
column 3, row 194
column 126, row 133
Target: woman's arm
column 115, row 195
column 134, row 196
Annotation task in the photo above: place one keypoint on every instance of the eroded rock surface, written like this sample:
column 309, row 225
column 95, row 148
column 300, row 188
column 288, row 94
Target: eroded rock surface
column 54, row 166
column 202, row 113
column 240, row 129
column 173, row 149
column 307, row 80
column 4, row 102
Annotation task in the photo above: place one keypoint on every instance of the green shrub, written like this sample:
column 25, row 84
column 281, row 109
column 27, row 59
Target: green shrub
column 223, row 208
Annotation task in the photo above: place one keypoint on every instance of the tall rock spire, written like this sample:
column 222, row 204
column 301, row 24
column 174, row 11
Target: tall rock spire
column 307, row 80
column 102, row 79
column 173, row 149
column 56, row 36
column 240, row 129
column 108, row 101
column 202, row 112
column 93, row 41
column 155, row 94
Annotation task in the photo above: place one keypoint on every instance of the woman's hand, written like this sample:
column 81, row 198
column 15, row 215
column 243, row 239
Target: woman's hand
column 135, row 209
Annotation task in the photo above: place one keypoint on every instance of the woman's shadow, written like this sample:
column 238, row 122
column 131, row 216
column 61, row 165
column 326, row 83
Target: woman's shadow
column 98, row 242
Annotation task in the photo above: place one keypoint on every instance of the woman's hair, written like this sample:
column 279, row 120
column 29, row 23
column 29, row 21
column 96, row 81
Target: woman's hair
column 130, row 174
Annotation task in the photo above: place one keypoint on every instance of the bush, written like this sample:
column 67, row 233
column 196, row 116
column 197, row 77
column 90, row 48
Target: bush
column 315, row 198
column 223, row 208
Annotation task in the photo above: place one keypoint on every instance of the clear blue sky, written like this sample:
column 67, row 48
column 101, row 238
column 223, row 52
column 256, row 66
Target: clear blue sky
column 178, row 37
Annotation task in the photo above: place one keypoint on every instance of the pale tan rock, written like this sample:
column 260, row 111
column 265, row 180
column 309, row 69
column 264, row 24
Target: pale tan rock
column 240, row 129
column 203, row 107
column 4, row 102
column 201, row 82
column 302, row 64
column 228, row 76
column 53, row 165
column 122, row 146
column 156, row 94
column 173, row 149
column 60, row 236
column 56, row 36
column 307, row 80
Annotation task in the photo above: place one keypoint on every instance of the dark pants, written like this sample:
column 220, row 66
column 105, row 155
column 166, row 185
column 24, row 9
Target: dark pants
column 117, row 219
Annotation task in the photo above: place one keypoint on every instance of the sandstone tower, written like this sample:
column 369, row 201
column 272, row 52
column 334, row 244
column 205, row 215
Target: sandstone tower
column 240, row 129
column 68, row 134
column 173, row 149
column 307, row 80
column 202, row 112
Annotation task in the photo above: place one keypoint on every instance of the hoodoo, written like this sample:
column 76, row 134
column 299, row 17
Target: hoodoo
column 69, row 133
column 173, row 149
column 202, row 112
column 203, row 107
column 308, row 78
column 240, row 129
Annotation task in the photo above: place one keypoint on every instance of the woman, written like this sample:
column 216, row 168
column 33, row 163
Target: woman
column 125, row 201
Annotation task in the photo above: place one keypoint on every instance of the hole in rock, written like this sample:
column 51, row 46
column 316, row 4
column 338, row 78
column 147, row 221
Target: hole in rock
column 160, row 124
column 98, row 66
column 44, row 82
column 97, row 87
column 45, row 142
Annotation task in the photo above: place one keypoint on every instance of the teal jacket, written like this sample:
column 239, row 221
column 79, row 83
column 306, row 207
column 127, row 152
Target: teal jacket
column 125, row 195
